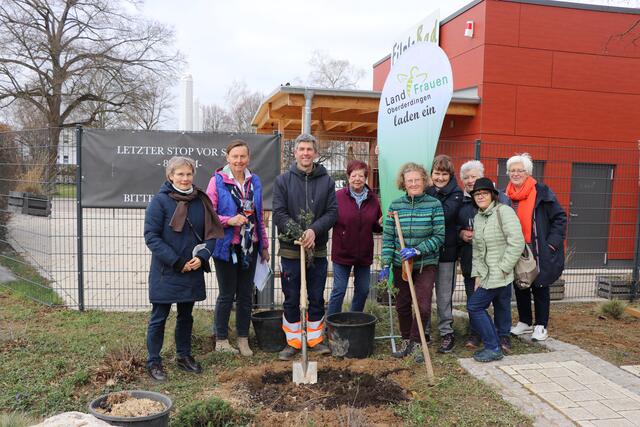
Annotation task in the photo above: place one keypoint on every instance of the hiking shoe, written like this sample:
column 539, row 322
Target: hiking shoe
column 505, row 344
column 418, row 357
column 487, row 355
column 539, row 333
column 406, row 347
column 224, row 346
column 288, row 353
column 243, row 346
column 320, row 348
column 521, row 328
column 473, row 342
column 156, row 371
column 188, row 364
column 446, row 345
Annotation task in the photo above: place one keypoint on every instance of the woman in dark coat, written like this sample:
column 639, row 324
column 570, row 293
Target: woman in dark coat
column 180, row 226
column 359, row 216
column 544, row 225
column 446, row 190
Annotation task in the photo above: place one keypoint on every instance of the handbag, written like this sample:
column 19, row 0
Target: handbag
column 526, row 269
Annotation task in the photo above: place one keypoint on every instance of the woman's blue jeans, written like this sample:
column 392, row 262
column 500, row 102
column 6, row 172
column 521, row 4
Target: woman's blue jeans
column 155, row 330
column 481, row 321
column 341, row 279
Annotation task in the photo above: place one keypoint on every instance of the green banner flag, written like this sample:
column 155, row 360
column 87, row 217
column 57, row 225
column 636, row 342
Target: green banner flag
column 413, row 104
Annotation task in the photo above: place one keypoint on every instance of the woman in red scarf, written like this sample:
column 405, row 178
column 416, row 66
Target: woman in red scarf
column 544, row 224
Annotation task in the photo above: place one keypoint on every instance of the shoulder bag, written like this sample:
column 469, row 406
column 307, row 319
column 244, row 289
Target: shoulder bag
column 526, row 269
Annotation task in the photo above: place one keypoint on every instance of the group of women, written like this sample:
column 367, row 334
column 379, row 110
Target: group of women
column 485, row 229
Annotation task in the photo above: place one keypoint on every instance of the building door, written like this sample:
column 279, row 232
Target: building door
column 588, row 229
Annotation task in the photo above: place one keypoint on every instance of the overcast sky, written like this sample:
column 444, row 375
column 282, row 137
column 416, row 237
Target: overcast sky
column 266, row 43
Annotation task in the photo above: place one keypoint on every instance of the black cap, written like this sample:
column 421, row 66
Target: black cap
column 484, row 184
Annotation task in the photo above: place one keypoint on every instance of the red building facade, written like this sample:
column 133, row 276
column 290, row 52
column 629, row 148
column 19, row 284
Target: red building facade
column 562, row 82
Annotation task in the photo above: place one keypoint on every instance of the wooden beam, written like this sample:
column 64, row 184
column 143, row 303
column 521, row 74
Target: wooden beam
column 265, row 117
column 341, row 102
column 337, row 110
column 329, row 126
column 462, row 110
column 288, row 100
column 355, row 126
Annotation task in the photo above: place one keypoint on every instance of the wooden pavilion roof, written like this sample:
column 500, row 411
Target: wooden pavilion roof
column 337, row 111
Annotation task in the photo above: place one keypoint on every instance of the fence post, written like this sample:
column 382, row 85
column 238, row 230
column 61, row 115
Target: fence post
column 272, row 285
column 477, row 150
column 636, row 255
column 79, row 231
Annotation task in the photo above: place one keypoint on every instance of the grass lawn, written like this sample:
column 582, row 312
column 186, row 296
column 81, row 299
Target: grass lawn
column 54, row 359
column 65, row 191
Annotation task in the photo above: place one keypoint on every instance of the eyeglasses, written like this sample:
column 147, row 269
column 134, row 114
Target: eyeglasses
column 517, row 171
column 413, row 181
column 481, row 194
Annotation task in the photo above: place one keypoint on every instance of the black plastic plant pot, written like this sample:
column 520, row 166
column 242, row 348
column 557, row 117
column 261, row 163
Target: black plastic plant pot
column 160, row 419
column 351, row 334
column 268, row 328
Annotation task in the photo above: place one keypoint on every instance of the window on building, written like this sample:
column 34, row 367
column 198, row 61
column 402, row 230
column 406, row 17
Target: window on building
column 65, row 159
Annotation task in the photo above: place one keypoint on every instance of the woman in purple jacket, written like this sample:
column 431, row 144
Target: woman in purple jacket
column 359, row 217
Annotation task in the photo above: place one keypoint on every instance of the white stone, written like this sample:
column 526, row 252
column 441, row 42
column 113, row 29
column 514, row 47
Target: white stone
column 72, row 419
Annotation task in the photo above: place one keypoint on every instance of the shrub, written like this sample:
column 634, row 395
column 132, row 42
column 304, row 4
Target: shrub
column 213, row 412
column 614, row 308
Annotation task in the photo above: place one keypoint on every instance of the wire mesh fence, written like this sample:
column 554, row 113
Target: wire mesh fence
column 42, row 221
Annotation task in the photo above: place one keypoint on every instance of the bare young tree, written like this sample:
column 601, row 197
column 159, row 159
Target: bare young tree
column 215, row 118
column 328, row 72
column 149, row 108
column 242, row 105
column 75, row 60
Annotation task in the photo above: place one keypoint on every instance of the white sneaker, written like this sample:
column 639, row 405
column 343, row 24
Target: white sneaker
column 539, row 333
column 521, row 328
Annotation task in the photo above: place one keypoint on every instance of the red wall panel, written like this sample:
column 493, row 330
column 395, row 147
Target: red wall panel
column 596, row 72
column 498, row 108
column 502, row 22
column 577, row 30
column 577, row 114
column 518, row 66
column 380, row 73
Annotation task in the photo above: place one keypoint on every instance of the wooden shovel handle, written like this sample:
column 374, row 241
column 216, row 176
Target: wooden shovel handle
column 416, row 309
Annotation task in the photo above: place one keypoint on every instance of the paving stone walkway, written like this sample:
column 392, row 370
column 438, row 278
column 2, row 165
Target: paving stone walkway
column 564, row 387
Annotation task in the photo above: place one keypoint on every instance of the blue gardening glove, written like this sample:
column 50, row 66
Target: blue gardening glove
column 408, row 253
column 384, row 274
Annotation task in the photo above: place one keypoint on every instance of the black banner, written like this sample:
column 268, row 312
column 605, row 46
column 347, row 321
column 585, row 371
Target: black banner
column 125, row 169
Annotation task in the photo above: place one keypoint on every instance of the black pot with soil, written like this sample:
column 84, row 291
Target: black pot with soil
column 351, row 334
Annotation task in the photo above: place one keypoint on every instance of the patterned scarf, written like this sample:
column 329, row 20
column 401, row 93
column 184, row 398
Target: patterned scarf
column 359, row 197
column 246, row 207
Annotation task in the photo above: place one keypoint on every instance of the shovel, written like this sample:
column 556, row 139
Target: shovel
column 304, row 372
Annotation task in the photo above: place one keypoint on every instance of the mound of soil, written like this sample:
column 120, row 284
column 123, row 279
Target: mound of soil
column 335, row 388
column 125, row 405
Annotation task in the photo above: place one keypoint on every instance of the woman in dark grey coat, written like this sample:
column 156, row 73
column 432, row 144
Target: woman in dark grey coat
column 180, row 226
column 544, row 225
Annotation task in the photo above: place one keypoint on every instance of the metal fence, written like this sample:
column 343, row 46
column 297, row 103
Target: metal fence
column 96, row 258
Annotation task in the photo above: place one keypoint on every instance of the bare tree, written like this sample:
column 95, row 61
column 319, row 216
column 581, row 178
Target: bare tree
column 242, row 105
column 215, row 118
column 75, row 60
column 149, row 108
column 332, row 73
